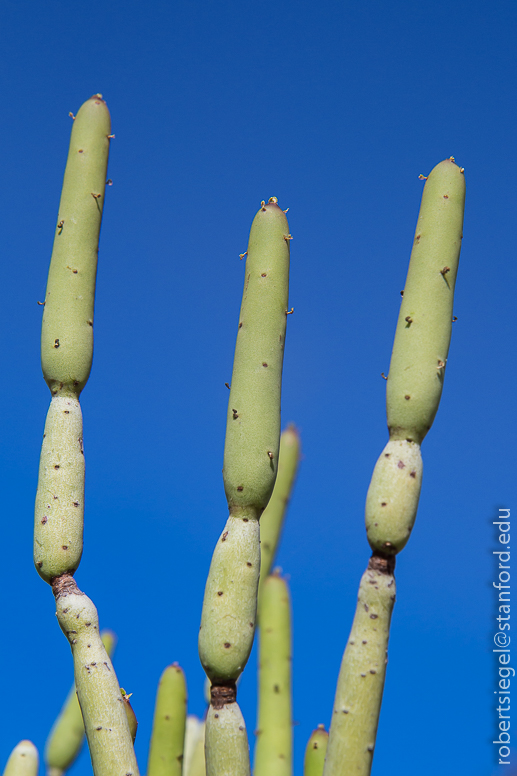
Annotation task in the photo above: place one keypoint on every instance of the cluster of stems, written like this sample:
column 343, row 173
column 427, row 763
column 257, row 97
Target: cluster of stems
column 242, row 592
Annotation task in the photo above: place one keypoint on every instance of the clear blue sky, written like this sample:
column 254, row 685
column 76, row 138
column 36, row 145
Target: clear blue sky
column 335, row 108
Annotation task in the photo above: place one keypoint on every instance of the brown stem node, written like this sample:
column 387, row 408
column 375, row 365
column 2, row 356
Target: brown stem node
column 222, row 694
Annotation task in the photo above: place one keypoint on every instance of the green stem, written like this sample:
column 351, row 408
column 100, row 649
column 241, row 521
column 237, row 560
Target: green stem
column 67, row 328
column 274, row 747
column 226, row 741
column 102, row 706
column 67, row 735
column 250, row 467
column 315, row 752
column 67, row 344
column 194, row 760
column 251, row 449
column 168, row 736
column 360, row 685
column 423, row 335
column 273, row 516
column 23, row 760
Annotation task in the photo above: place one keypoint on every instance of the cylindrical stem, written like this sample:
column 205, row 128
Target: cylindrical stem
column 249, row 472
column 67, row 735
column 315, row 752
column 67, row 343
column 273, row 516
column 226, row 742
column 23, row 760
column 423, row 334
column 170, row 713
column 251, row 449
column 194, row 748
column 273, row 750
column 360, row 685
column 230, row 603
column 105, row 720
column 67, row 328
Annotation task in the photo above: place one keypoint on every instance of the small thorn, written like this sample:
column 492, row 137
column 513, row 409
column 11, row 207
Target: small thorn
column 72, row 116
column 242, row 255
column 110, row 137
column 441, row 365
column 422, row 177
column 383, row 376
column 95, row 196
column 109, row 182
column 285, row 211
column 270, row 454
column 262, row 205
column 60, row 224
column 42, row 304
column 288, row 237
column 228, row 385
column 289, row 312
column 462, row 169
column 402, row 292
column 273, row 201
column 451, row 159
column 408, row 319
column 454, row 319
column 444, row 271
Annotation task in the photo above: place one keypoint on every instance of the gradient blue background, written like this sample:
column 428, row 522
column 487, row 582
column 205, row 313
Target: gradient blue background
column 335, row 108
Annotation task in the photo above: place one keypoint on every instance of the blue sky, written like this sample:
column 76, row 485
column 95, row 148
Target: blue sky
column 335, row 108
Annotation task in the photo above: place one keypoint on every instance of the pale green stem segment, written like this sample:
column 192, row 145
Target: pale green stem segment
column 251, row 449
column 392, row 500
column 253, row 422
column 226, row 742
column 105, row 719
column 23, row 760
column 273, row 516
column 423, row 334
column 59, row 509
column 274, row 746
column 67, row 329
column 170, row 713
column 230, row 603
column 194, row 761
column 360, row 685
column 67, row 735
column 315, row 752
